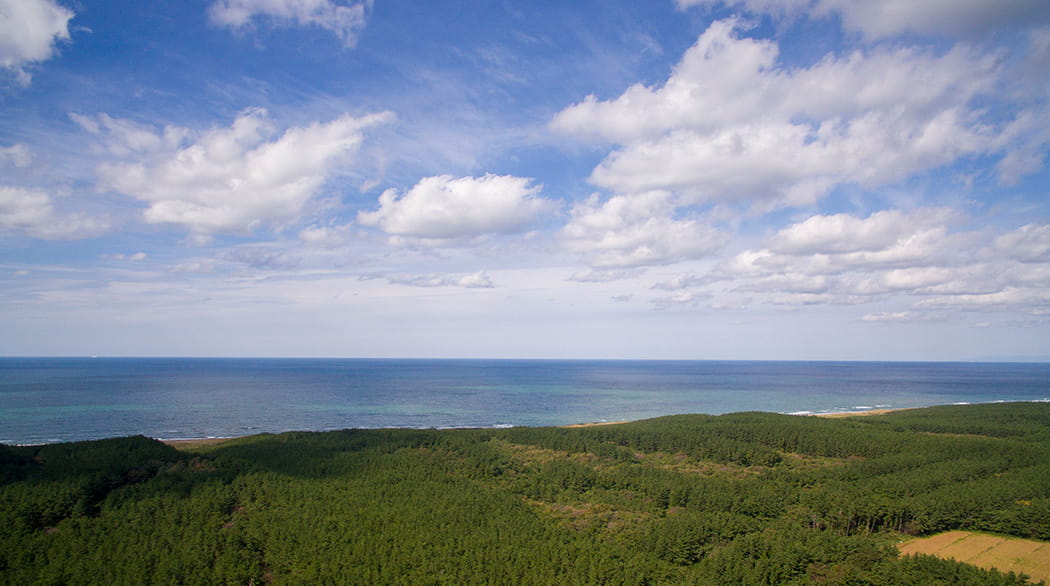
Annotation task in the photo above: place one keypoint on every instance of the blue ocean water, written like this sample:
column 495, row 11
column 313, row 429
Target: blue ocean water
column 65, row 399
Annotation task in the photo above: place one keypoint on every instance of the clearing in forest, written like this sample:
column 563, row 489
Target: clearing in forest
column 1007, row 554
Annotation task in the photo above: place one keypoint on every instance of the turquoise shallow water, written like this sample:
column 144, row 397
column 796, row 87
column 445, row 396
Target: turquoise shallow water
column 65, row 399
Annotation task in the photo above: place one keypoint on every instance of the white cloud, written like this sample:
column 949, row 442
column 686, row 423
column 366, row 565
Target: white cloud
column 229, row 180
column 1035, row 301
column 843, row 233
column 837, row 244
column 24, row 208
column 885, row 18
column 32, row 211
column 447, row 208
column 17, row 154
column 326, row 236
column 637, row 230
column 844, row 259
column 725, row 80
column 841, row 259
column 29, row 30
column 732, row 124
column 478, row 280
column 125, row 138
column 344, row 20
column 1030, row 243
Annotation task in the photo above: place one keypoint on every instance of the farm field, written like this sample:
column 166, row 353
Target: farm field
column 1008, row 554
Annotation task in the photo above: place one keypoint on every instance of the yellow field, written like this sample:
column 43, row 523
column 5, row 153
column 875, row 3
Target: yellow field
column 1008, row 554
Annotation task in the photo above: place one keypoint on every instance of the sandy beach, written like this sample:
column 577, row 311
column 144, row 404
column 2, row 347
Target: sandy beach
column 859, row 413
column 594, row 423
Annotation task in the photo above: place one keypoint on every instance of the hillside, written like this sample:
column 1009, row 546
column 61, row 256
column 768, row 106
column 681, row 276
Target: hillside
column 746, row 498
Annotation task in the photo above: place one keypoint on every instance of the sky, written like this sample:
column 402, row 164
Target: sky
column 614, row 179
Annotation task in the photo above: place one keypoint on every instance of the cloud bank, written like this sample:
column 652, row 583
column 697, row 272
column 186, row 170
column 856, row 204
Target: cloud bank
column 892, row 254
column 732, row 124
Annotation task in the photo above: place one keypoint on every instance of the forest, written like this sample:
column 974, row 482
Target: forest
column 743, row 498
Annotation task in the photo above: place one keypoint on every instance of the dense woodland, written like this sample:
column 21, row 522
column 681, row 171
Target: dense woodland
column 746, row 498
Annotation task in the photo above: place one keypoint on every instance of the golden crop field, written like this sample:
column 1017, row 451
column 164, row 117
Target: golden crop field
column 1008, row 554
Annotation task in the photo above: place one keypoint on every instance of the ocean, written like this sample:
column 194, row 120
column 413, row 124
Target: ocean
column 45, row 400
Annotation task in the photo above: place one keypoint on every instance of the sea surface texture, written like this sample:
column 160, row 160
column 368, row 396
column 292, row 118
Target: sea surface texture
column 46, row 400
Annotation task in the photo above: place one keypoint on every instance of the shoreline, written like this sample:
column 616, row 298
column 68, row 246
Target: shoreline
column 593, row 424
column 189, row 443
column 863, row 413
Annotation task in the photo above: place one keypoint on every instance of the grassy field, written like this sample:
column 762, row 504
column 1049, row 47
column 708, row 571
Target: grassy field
column 1008, row 554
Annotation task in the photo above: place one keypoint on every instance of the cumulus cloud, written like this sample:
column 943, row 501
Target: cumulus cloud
column 344, row 20
column 478, row 280
column 885, row 18
column 844, row 233
column 841, row 243
column 732, row 124
column 445, row 208
column 32, row 212
column 637, row 230
column 29, row 31
column 227, row 180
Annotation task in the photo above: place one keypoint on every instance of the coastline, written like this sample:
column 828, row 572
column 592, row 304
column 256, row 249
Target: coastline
column 190, row 443
column 863, row 413
column 594, row 424
column 55, row 401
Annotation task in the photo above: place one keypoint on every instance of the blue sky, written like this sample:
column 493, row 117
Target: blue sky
column 681, row 179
